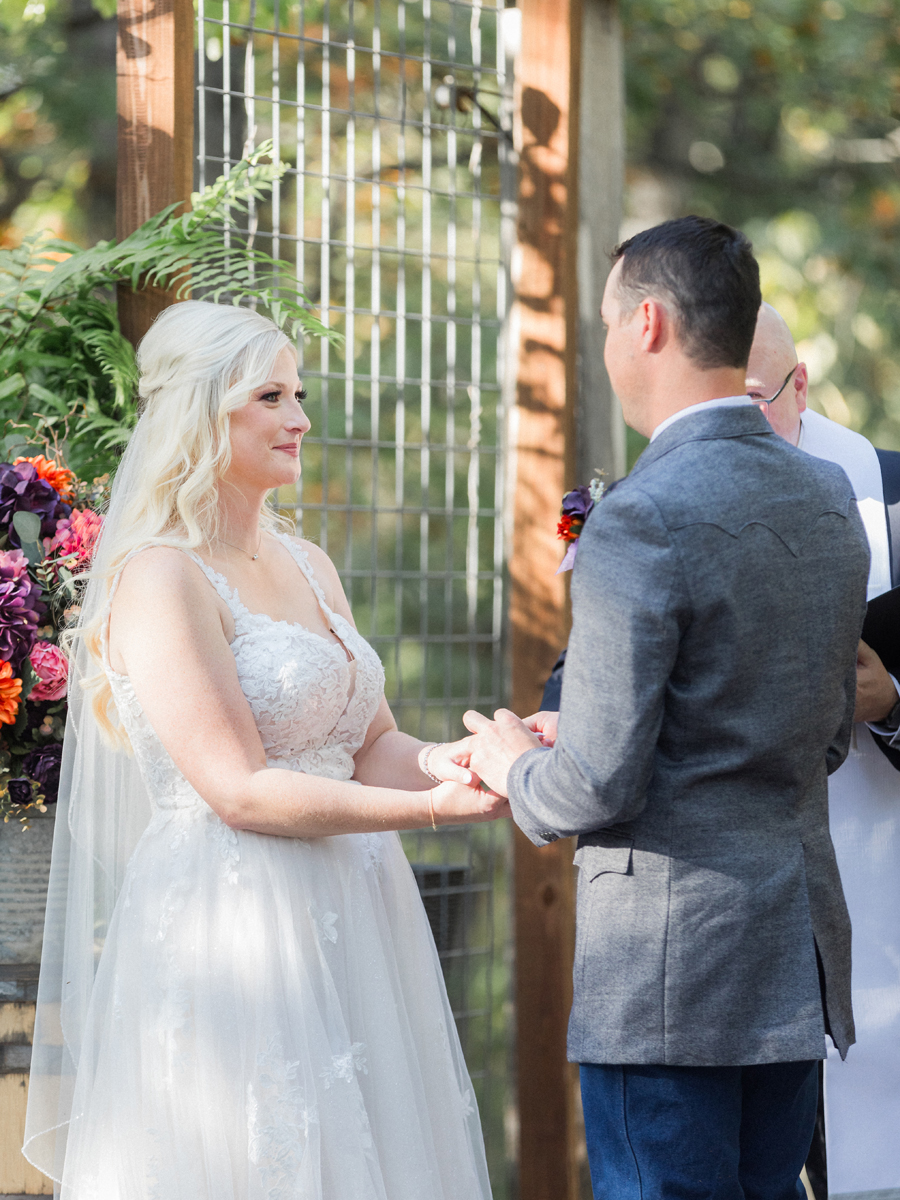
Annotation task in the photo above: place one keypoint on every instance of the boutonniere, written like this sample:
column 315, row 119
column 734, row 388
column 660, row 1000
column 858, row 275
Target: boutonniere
column 577, row 506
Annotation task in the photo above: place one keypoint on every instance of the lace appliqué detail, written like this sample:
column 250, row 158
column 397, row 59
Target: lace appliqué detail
column 325, row 925
column 346, row 1066
column 372, row 849
column 227, row 844
column 278, row 1123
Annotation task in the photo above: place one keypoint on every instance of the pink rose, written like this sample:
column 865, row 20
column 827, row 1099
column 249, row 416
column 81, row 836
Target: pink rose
column 52, row 668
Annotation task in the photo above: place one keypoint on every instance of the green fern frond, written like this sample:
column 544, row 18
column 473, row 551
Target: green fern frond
column 64, row 364
column 188, row 251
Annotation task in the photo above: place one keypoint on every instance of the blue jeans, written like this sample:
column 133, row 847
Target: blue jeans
column 698, row 1133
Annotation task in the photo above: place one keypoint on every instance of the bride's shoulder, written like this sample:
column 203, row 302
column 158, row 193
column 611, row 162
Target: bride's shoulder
column 323, row 568
column 316, row 555
column 162, row 575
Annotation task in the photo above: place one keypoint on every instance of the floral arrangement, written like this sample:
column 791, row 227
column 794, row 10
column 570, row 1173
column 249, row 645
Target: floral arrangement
column 577, row 506
column 48, row 529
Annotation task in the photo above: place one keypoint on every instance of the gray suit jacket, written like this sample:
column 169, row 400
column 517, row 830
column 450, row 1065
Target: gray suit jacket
column 717, row 598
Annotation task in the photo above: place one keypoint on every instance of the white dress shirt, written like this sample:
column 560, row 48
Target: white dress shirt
column 719, row 402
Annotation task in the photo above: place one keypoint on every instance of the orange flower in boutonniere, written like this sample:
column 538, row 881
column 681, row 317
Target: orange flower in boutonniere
column 10, row 694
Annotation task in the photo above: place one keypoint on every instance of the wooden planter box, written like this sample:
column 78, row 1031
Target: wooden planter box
column 24, row 873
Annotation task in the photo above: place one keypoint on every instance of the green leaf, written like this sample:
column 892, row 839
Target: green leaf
column 11, row 385
column 27, row 525
column 38, row 392
column 21, row 718
column 29, row 678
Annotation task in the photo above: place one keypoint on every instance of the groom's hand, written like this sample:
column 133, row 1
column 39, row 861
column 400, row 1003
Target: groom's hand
column 545, row 725
column 497, row 745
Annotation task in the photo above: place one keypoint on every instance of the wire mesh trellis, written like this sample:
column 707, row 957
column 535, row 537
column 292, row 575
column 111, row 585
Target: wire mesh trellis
column 394, row 117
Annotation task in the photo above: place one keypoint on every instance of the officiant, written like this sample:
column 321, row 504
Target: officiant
column 862, row 1094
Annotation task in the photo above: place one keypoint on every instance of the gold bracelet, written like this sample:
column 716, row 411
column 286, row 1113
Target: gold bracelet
column 431, row 807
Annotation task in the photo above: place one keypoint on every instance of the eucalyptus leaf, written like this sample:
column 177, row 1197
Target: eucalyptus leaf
column 27, row 525
column 67, row 581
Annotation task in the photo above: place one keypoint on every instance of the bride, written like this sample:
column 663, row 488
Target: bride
column 240, row 998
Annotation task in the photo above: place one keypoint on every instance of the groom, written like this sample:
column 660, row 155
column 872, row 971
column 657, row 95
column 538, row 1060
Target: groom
column 709, row 689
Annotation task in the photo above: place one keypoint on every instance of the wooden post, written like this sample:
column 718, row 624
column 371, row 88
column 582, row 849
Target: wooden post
column 155, row 70
column 601, row 161
column 565, row 424
column 543, row 454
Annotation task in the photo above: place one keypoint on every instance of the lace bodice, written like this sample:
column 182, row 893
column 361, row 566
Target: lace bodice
column 311, row 713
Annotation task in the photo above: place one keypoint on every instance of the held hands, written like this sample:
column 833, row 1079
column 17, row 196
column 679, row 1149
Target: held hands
column 457, row 804
column 486, row 757
column 498, row 743
column 461, row 798
column 875, row 691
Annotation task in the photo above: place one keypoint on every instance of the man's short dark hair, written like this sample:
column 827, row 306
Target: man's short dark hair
column 704, row 272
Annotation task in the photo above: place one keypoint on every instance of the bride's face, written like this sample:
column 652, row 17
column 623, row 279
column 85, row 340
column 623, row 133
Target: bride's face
column 266, row 431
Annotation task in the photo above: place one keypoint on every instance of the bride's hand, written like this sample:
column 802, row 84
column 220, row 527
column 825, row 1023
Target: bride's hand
column 449, row 762
column 455, row 804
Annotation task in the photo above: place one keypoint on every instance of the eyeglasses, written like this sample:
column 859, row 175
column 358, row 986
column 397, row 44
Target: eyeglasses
column 765, row 401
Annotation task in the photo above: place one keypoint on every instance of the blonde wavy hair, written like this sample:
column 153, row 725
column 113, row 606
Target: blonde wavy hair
column 198, row 363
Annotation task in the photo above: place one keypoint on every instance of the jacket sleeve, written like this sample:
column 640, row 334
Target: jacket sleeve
column 840, row 744
column 628, row 615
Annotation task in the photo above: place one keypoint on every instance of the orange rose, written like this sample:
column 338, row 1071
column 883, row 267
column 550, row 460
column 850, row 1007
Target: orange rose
column 10, row 692
column 60, row 478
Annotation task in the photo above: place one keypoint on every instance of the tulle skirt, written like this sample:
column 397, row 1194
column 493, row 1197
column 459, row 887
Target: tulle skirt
column 269, row 1022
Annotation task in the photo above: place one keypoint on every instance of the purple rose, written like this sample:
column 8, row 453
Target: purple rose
column 23, row 490
column 20, row 791
column 43, row 765
column 577, row 503
column 21, row 608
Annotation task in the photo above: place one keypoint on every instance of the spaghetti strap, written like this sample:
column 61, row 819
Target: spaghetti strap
column 301, row 558
column 219, row 582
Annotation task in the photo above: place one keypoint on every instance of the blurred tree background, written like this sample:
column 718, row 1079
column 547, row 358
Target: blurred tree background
column 57, row 119
column 783, row 117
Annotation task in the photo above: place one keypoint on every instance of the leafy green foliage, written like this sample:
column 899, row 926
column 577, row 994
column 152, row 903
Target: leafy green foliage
column 66, row 372
column 782, row 117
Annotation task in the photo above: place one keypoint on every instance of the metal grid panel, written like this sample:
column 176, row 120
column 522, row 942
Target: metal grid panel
column 394, row 116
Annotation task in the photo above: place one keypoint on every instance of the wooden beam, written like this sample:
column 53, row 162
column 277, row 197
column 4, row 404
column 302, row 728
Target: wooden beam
column 543, row 440
column 155, row 73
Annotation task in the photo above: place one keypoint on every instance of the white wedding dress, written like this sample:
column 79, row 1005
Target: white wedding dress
column 269, row 1020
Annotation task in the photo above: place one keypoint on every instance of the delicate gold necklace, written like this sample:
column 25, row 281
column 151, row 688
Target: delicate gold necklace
column 241, row 548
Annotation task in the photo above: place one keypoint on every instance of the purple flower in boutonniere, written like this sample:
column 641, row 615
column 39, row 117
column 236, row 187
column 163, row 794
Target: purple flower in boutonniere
column 577, row 506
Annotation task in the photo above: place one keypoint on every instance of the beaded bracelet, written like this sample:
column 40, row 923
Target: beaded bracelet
column 424, row 762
